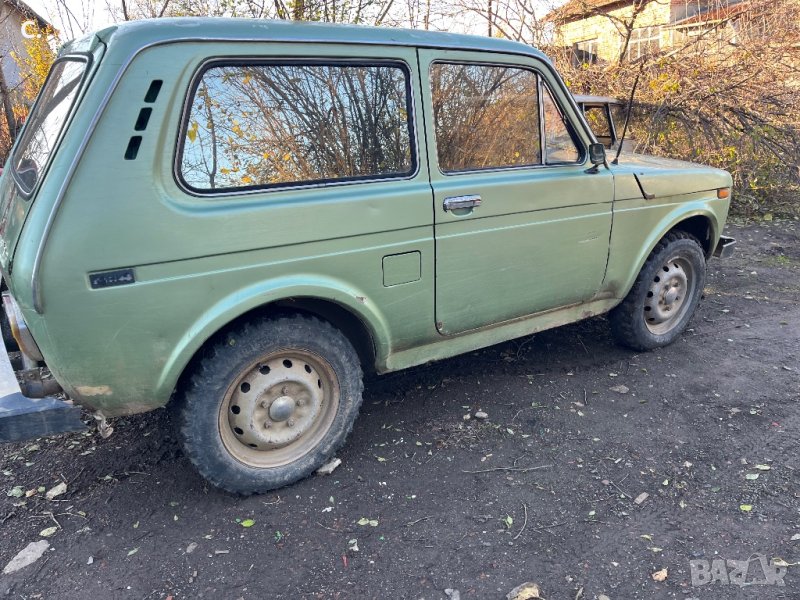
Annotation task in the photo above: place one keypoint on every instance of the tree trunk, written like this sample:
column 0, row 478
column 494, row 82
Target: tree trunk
column 8, row 108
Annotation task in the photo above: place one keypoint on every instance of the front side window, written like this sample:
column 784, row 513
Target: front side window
column 559, row 145
column 46, row 121
column 486, row 116
column 263, row 125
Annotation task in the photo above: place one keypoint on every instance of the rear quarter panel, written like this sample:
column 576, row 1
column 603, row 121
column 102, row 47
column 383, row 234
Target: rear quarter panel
column 200, row 261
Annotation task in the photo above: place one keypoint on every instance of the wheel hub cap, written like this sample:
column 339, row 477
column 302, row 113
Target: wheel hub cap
column 282, row 408
column 667, row 296
column 277, row 405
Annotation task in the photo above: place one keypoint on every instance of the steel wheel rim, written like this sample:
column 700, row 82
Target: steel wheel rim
column 279, row 408
column 668, row 295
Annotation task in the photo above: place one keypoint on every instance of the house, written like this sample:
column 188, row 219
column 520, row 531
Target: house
column 14, row 16
column 603, row 30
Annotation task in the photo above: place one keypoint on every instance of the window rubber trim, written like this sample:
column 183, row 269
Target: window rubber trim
column 85, row 57
column 317, row 183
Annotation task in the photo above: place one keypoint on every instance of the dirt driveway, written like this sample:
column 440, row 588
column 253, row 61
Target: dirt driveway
column 549, row 488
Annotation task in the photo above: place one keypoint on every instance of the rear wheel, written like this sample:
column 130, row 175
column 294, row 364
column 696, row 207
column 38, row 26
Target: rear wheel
column 271, row 403
column 666, row 293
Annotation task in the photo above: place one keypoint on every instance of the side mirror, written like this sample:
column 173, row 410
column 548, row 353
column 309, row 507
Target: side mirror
column 597, row 154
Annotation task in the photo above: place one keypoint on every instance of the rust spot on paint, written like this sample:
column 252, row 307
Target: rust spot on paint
column 93, row 390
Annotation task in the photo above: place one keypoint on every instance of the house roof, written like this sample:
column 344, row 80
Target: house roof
column 27, row 11
column 573, row 10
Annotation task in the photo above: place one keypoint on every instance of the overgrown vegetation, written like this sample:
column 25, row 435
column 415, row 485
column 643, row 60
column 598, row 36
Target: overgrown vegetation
column 727, row 98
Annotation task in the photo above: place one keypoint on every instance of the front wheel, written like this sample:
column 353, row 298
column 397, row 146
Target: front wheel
column 666, row 293
column 271, row 402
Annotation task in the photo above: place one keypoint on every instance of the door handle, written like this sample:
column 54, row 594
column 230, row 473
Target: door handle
column 456, row 202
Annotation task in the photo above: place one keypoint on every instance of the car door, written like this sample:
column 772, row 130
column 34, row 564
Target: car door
column 522, row 222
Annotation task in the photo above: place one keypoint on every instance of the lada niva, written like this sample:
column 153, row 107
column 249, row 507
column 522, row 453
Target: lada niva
column 240, row 217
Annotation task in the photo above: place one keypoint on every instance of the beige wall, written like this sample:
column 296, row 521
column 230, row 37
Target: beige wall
column 609, row 34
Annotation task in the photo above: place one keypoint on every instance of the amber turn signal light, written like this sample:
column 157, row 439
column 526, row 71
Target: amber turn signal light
column 723, row 192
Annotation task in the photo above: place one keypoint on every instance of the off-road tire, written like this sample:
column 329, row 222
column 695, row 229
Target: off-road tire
column 230, row 360
column 629, row 325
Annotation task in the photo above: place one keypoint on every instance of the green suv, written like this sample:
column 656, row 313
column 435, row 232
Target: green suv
column 239, row 217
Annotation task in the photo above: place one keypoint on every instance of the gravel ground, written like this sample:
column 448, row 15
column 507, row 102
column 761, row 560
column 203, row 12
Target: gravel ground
column 596, row 472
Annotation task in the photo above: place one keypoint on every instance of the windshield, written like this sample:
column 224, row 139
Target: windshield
column 47, row 120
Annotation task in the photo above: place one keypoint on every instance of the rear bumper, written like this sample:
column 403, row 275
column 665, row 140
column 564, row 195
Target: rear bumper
column 724, row 247
column 23, row 418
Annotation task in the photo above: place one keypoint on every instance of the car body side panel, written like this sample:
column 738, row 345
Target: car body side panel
column 539, row 239
column 199, row 262
column 15, row 207
column 639, row 225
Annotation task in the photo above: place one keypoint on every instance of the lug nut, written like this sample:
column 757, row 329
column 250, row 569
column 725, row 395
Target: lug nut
column 267, row 424
column 290, row 423
column 284, row 390
column 300, row 402
column 264, row 404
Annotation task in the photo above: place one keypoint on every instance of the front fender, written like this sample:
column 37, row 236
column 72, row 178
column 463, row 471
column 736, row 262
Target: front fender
column 260, row 294
column 629, row 250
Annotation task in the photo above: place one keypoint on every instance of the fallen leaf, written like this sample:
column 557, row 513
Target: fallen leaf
column 745, row 507
column 526, row 591
column 763, row 467
column 751, row 476
column 660, row 575
column 48, row 532
column 57, row 490
column 132, row 552
column 16, row 492
column 620, row 389
column 366, row 521
column 641, row 498
column 247, row 523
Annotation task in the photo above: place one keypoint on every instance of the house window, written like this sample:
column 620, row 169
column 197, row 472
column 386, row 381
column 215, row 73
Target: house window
column 644, row 41
column 584, row 53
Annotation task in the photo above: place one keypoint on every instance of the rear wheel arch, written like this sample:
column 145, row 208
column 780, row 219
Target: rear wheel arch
column 364, row 329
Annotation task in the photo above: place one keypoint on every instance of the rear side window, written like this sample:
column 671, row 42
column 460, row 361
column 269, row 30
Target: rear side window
column 486, row 116
column 47, row 120
column 260, row 125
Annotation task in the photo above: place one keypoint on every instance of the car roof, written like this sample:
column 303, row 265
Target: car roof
column 148, row 32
